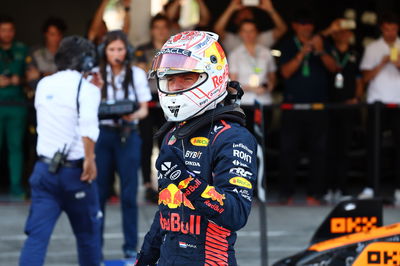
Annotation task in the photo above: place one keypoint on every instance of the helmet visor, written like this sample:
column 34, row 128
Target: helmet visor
column 165, row 62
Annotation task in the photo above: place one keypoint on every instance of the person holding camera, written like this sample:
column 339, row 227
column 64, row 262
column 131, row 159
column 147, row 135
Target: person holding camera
column 239, row 12
column 62, row 180
column 345, row 88
column 119, row 146
column 254, row 67
column 305, row 68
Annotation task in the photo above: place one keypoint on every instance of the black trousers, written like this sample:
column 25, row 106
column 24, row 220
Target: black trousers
column 148, row 127
column 390, row 120
column 340, row 132
column 303, row 128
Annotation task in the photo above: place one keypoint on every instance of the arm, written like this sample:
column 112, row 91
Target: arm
column 173, row 10
column 328, row 61
column 89, row 100
column 143, row 94
column 223, row 20
column 89, row 165
column 280, row 25
column 150, row 251
column 205, row 15
column 335, row 26
column 371, row 74
column 271, row 81
column 291, row 66
column 127, row 17
column 97, row 21
column 359, row 88
column 227, row 201
column 141, row 113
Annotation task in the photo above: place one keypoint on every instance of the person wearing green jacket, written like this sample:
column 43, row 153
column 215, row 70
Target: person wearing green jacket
column 12, row 116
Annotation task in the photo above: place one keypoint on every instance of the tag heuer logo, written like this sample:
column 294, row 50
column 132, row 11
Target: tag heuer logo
column 166, row 166
column 174, row 109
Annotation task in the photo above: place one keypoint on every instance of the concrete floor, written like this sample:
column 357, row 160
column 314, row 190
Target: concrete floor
column 289, row 230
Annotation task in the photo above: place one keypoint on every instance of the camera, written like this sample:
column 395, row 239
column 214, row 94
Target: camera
column 116, row 109
column 250, row 2
column 347, row 24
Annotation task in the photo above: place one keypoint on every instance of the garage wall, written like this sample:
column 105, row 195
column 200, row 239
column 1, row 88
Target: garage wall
column 30, row 15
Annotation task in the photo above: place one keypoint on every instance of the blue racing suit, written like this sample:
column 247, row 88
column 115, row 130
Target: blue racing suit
column 198, row 217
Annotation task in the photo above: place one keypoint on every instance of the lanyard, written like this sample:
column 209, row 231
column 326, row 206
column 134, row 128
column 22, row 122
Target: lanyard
column 305, row 69
column 341, row 63
column 253, row 63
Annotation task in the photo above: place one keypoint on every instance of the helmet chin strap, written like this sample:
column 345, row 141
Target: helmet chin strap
column 230, row 112
column 234, row 97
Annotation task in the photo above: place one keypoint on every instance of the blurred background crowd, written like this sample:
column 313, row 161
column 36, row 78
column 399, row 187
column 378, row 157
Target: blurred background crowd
column 328, row 75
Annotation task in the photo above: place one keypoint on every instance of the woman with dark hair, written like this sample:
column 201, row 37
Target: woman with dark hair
column 119, row 144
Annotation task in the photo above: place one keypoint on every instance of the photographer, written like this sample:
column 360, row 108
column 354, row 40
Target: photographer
column 62, row 180
column 119, row 145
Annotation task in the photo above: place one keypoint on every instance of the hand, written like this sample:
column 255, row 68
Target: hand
column 4, row 81
column 260, row 90
column 397, row 63
column 235, row 5
column 89, row 170
column 15, row 80
column 317, row 43
column 269, row 87
column 97, row 80
column 170, row 166
column 307, row 48
column 32, row 74
column 385, row 60
column 334, row 27
column 267, row 6
column 352, row 101
column 130, row 117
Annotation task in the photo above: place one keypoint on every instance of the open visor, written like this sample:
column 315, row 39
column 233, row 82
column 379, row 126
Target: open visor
column 165, row 62
column 186, row 82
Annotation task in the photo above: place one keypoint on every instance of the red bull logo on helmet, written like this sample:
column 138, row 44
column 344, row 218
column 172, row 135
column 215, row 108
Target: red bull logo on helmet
column 211, row 193
column 172, row 197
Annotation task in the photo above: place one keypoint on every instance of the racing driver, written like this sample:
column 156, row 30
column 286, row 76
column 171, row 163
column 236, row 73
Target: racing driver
column 207, row 162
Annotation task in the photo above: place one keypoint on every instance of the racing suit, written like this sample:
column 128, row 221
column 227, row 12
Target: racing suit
column 197, row 218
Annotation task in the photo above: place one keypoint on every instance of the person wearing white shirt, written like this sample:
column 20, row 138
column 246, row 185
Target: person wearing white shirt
column 230, row 40
column 119, row 145
column 66, row 106
column 381, row 69
column 254, row 67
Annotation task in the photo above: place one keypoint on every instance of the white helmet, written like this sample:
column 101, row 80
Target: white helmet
column 191, row 51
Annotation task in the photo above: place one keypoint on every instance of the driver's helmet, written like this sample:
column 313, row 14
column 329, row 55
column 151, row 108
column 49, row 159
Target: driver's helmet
column 194, row 54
